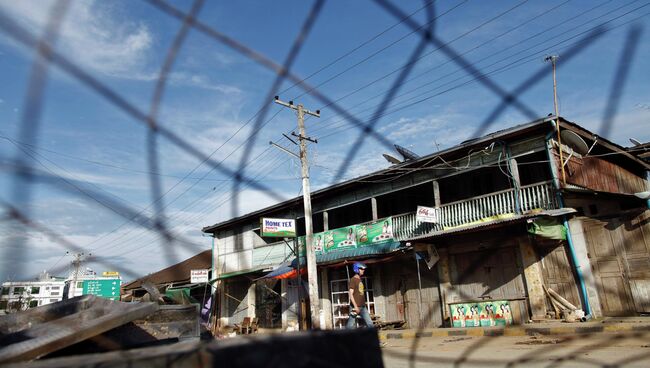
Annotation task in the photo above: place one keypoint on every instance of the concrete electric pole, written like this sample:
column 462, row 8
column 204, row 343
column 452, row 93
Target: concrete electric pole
column 76, row 262
column 312, row 273
column 553, row 60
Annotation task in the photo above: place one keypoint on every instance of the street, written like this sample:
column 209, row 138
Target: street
column 596, row 350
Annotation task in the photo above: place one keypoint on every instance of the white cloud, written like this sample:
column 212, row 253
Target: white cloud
column 201, row 81
column 631, row 121
column 249, row 200
column 93, row 34
column 630, row 124
column 426, row 134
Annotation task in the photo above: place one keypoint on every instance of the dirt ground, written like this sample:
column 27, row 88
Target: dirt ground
column 595, row 350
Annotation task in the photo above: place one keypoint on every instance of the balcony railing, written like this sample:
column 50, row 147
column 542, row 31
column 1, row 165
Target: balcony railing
column 482, row 208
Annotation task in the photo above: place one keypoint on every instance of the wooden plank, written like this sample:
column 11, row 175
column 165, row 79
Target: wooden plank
column 641, row 293
column 609, row 270
column 598, row 174
column 327, row 348
column 100, row 315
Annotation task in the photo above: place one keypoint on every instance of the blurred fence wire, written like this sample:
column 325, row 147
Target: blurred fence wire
column 26, row 170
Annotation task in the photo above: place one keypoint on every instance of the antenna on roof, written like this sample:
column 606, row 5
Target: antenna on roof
column 407, row 154
column 635, row 142
column 391, row 159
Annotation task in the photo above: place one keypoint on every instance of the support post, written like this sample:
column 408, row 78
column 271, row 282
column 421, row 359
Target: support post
column 77, row 264
column 373, row 204
column 534, row 278
column 516, row 182
column 326, row 303
column 312, row 276
column 436, row 193
column 446, row 291
column 553, row 60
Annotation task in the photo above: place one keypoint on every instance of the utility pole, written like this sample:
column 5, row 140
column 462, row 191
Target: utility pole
column 76, row 262
column 312, row 272
column 553, row 60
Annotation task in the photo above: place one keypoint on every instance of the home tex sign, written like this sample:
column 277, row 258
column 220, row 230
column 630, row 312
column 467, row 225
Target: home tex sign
column 426, row 214
column 283, row 228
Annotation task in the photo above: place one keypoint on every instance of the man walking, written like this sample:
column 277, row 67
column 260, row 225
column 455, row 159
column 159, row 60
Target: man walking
column 358, row 297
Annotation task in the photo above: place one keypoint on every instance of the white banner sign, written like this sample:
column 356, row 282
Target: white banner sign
column 283, row 228
column 198, row 276
column 426, row 214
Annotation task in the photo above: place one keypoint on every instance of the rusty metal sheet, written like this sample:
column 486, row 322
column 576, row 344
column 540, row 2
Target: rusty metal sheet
column 33, row 333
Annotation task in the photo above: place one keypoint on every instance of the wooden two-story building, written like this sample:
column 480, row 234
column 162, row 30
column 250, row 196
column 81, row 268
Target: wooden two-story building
column 515, row 212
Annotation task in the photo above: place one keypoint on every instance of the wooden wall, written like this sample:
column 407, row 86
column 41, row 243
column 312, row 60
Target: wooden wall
column 400, row 294
column 495, row 272
column 619, row 251
column 600, row 175
column 557, row 271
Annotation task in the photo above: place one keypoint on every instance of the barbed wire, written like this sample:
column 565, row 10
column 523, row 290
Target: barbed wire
column 28, row 167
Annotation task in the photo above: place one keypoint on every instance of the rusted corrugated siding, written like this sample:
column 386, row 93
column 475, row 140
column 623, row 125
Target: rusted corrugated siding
column 600, row 175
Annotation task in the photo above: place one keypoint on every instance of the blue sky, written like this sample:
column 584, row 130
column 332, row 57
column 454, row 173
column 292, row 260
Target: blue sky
column 213, row 91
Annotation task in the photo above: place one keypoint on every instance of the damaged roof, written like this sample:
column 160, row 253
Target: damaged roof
column 180, row 272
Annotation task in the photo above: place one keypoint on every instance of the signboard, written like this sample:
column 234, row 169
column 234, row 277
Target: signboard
column 379, row 231
column 492, row 313
column 107, row 288
column 198, row 276
column 355, row 236
column 426, row 214
column 278, row 228
column 110, row 274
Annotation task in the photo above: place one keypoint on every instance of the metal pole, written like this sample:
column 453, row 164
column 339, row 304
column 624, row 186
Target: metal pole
column 298, row 279
column 417, row 262
column 77, row 264
column 312, row 276
column 553, row 60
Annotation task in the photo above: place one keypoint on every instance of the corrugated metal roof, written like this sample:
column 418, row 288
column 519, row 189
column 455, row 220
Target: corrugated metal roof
column 502, row 222
column 358, row 252
column 242, row 272
column 175, row 273
column 464, row 145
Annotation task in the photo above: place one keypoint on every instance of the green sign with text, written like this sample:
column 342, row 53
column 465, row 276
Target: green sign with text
column 355, row 236
column 107, row 288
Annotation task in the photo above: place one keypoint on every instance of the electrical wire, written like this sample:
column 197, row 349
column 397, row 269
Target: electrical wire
column 36, row 149
column 115, row 245
column 343, row 122
column 501, row 60
column 350, row 52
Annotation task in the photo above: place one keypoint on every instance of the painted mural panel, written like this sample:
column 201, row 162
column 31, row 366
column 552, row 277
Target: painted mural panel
column 481, row 314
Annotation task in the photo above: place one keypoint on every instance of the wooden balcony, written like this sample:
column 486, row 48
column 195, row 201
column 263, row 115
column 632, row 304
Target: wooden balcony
column 485, row 208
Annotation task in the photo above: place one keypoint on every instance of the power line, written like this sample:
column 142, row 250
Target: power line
column 393, row 111
column 566, row 21
column 501, row 69
column 226, row 200
column 430, row 52
column 35, row 149
column 445, row 63
column 350, row 52
column 379, row 51
column 115, row 244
